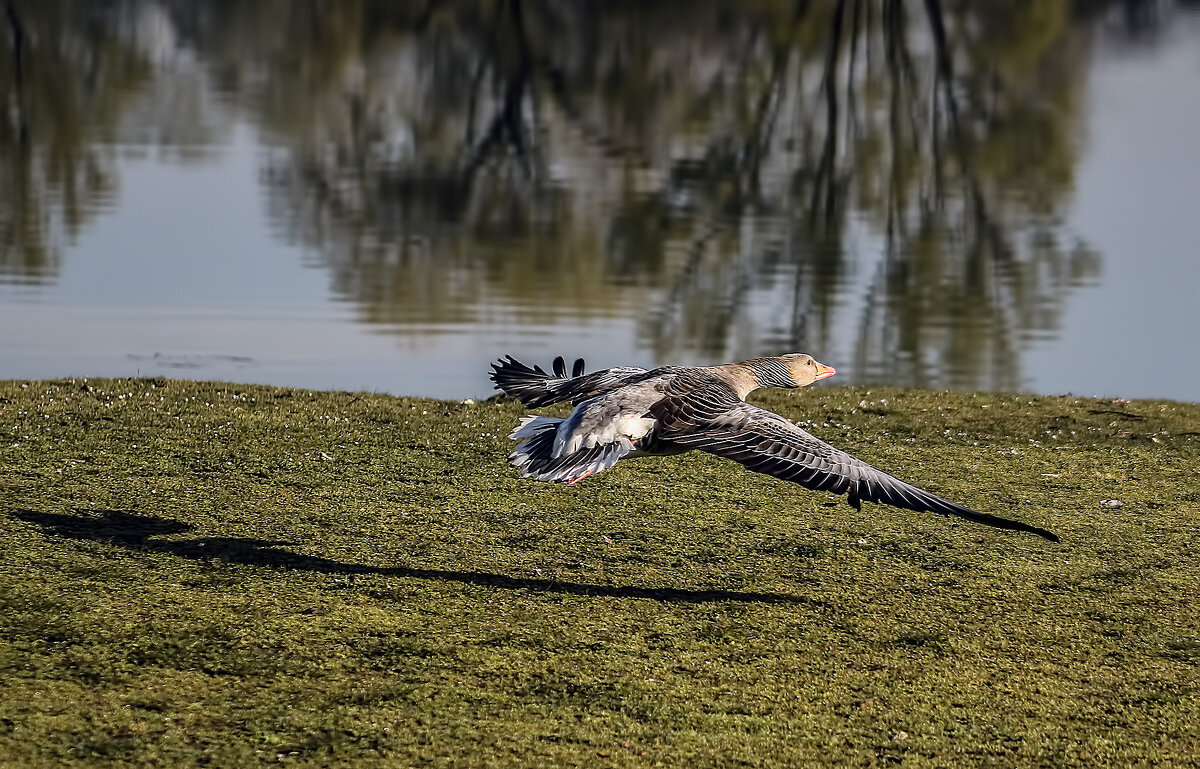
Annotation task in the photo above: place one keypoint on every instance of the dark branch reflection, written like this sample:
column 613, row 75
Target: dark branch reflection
column 723, row 171
column 64, row 79
column 703, row 163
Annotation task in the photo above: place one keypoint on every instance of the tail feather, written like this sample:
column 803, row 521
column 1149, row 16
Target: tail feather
column 535, row 457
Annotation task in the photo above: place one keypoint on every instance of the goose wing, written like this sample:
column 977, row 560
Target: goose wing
column 713, row 420
column 534, row 387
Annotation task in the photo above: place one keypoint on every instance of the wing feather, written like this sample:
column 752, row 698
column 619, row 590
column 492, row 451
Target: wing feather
column 722, row 424
column 534, row 387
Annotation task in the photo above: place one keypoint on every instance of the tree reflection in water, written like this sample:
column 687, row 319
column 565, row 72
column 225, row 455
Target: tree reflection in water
column 61, row 86
column 724, row 171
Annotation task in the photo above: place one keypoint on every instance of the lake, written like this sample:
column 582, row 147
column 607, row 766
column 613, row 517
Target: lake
column 386, row 196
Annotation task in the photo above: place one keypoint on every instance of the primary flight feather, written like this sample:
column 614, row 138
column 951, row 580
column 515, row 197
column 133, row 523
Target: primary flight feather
column 621, row 412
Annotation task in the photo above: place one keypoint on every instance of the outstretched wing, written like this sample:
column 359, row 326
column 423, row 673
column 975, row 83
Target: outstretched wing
column 534, row 387
column 712, row 420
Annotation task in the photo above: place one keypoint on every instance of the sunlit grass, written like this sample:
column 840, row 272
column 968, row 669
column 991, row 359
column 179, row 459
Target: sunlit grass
column 210, row 573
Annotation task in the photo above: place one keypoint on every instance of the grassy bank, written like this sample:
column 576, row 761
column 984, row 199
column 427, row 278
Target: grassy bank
column 198, row 573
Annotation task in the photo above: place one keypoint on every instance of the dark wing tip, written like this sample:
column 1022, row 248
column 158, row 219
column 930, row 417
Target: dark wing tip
column 1043, row 533
column 1006, row 523
column 1018, row 526
column 936, row 504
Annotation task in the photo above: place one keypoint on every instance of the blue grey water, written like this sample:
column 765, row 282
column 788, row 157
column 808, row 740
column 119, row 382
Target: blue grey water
column 391, row 207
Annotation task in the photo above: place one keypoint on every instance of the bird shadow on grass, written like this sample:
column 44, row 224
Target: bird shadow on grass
column 140, row 532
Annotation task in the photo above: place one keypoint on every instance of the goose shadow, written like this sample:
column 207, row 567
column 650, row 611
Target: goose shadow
column 141, row 532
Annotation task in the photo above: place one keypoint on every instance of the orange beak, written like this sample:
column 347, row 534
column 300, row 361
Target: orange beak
column 824, row 372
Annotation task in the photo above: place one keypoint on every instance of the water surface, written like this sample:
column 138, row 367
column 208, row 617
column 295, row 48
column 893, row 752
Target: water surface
column 376, row 196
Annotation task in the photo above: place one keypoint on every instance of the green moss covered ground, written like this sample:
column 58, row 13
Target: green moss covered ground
column 199, row 573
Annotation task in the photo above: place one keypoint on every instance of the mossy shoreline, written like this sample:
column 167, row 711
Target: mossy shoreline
column 198, row 573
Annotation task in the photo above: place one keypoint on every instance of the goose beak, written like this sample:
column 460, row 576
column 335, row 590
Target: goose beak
column 824, row 372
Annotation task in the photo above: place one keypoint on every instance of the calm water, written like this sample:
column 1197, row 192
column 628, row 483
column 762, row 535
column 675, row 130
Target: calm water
column 385, row 196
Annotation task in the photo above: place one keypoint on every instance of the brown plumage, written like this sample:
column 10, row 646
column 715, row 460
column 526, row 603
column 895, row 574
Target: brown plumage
column 622, row 412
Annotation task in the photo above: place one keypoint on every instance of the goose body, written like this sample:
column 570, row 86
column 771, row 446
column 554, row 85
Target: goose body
column 625, row 411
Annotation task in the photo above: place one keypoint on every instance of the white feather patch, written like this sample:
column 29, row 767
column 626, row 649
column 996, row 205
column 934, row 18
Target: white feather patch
column 626, row 428
column 531, row 426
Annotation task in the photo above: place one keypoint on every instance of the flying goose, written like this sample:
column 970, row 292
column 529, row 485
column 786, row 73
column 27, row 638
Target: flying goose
column 626, row 411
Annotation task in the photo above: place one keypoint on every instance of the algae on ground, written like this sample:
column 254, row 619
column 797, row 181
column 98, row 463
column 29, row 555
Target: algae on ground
column 236, row 575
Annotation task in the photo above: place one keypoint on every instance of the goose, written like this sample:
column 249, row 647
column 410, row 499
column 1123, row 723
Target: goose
column 627, row 412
